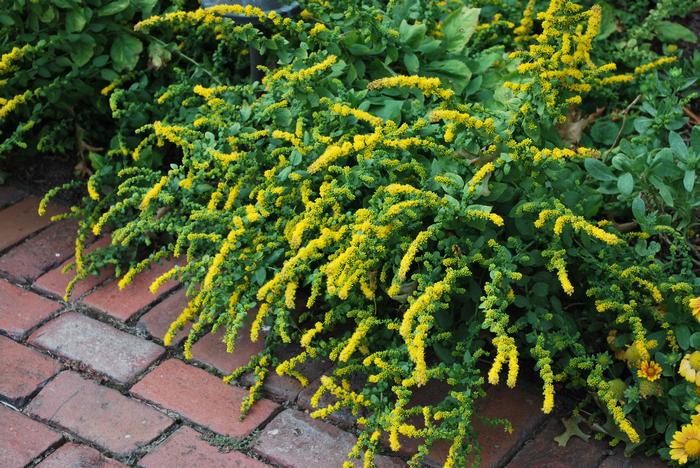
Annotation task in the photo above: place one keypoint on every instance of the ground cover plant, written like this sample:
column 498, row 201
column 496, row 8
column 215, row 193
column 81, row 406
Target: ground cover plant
column 416, row 189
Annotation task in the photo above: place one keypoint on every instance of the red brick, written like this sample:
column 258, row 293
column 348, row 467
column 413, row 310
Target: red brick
column 618, row 460
column 103, row 348
column 9, row 195
column 186, row 448
column 124, row 304
column 342, row 417
column 544, row 452
column 50, row 247
column 20, row 220
column 72, row 455
column 22, row 371
column 285, row 388
column 294, row 439
column 55, row 281
column 157, row 321
column 211, row 350
column 201, row 398
column 21, row 439
column 20, row 310
column 98, row 414
column 520, row 406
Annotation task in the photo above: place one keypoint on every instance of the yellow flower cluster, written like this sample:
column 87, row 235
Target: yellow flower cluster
column 505, row 350
column 359, row 114
column 7, row 61
column 152, row 193
column 214, row 14
column 318, row 28
column 578, row 223
column 523, row 31
column 464, row 119
column 562, row 153
column 476, row 179
column 647, row 67
column 428, row 86
column 299, row 75
column 9, row 105
column 559, row 59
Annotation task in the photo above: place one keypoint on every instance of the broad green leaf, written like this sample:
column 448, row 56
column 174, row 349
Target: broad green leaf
column 411, row 34
column 672, row 32
column 604, row 131
column 81, row 52
column 639, row 209
column 112, row 8
column 677, row 144
column 76, row 20
column 625, row 184
column 459, row 26
column 125, row 51
column 598, row 170
column 411, row 62
column 689, row 180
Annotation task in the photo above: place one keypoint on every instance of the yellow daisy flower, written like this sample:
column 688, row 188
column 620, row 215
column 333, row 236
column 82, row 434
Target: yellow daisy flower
column 695, row 307
column 690, row 367
column 695, row 419
column 686, row 444
column 649, row 370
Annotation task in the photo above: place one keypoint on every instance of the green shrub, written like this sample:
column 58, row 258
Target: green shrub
column 400, row 195
column 60, row 58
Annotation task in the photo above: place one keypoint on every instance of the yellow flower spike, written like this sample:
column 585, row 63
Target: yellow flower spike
column 310, row 333
column 513, row 367
column 153, row 193
column 655, row 64
column 417, row 244
column 428, row 86
column 11, row 104
column 486, row 169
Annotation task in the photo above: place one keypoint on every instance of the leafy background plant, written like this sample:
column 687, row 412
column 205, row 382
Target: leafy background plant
column 403, row 195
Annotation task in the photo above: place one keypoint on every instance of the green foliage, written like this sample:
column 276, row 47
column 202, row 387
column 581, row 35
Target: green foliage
column 57, row 56
column 415, row 189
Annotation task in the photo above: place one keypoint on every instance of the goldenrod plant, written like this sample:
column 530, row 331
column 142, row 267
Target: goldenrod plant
column 400, row 194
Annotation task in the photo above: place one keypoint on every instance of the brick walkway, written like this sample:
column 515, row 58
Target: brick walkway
column 89, row 383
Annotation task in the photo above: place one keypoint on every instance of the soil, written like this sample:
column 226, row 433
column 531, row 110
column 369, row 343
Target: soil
column 37, row 174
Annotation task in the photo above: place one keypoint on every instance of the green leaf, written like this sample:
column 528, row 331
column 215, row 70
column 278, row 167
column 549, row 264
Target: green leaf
column 675, row 141
column 540, row 289
column 672, row 32
column 158, row 55
column 125, row 51
column 695, row 340
column 689, row 180
column 411, row 62
column 642, row 124
column 411, row 34
column 599, row 170
column 81, row 52
column 455, row 68
column 625, row 184
column 260, row 275
column 604, row 131
column 683, row 336
column 113, row 8
column 76, row 20
column 459, row 26
column 639, row 209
